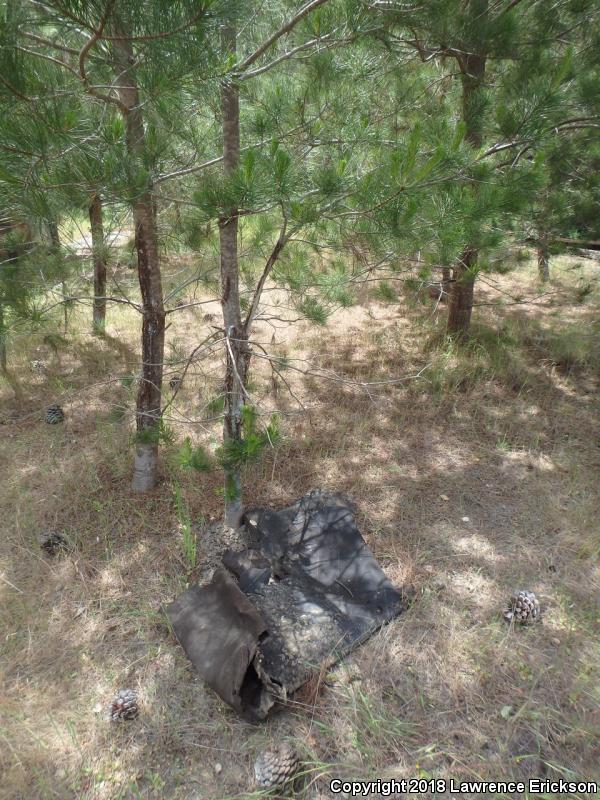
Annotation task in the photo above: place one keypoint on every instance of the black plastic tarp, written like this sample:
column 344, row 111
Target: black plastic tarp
column 305, row 592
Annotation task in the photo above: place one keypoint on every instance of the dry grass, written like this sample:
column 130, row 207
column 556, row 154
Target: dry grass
column 477, row 478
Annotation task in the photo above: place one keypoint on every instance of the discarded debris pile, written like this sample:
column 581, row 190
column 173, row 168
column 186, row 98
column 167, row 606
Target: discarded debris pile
column 308, row 592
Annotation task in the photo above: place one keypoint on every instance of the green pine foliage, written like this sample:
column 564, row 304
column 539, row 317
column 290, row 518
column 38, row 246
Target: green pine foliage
column 189, row 538
column 190, row 457
column 236, row 453
column 365, row 140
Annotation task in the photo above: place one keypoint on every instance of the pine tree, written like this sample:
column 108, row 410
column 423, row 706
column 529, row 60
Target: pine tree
column 566, row 207
column 81, row 179
column 256, row 185
column 120, row 46
column 509, row 59
column 99, row 262
column 31, row 259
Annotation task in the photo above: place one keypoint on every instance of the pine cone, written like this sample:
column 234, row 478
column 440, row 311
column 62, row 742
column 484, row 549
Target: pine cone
column 53, row 542
column 276, row 767
column 175, row 382
column 54, row 414
column 523, row 607
column 124, row 706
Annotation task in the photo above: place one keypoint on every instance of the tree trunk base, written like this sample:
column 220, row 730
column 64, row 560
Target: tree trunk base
column 234, row 509
column 233, row 514
column 446, row 284
column 461, row 296
column 144, row 467
column 99, row 326
column 543, row 264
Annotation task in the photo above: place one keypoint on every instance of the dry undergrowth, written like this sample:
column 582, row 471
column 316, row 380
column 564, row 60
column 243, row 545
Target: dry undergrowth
column 477, row 478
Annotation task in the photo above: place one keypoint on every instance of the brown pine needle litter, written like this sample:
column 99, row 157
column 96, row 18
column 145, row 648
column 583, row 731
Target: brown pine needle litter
column 475, row 479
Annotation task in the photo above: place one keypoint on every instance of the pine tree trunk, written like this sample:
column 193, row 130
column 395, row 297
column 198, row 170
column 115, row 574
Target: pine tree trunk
column 148, row 405
column 54, row 235
column 55, row 241
column 238, row 353
column 463, row 279
column 446, row 284
column 99, row 260
column 8, row 376
column 461, row 296
column 3, row 362
column 543, row 258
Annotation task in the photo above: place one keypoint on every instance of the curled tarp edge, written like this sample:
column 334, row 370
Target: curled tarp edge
column 220, row 631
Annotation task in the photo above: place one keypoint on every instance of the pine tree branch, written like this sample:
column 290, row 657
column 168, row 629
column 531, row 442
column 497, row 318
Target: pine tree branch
column 243, row 342
column 194, row 279
column 49, row 43
column 209, row 341
column 180, row 173
column 51, row 11
column 278, row 373
column 95, row 37
column 17, row 150
column 49, row 58
column 323, row 373
column 279, row 245
column 286, row 28
column 14, row 90
column 188, row 305
column 501, row 146
column 327, row 40
column 154, row 36
column 83, row 300
column 575, row 123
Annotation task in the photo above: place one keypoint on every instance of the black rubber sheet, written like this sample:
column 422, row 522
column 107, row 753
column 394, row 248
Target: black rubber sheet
column 305, row 592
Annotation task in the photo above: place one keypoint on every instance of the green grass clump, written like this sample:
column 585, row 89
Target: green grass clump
column 488, row 356
column 385, row 292
column 575, row 348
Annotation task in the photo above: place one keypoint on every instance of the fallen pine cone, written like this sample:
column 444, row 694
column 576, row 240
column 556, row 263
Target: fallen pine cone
column 124, row 706
column 54, row 414
column 53, row 542
column 276, row 767
column 523, row 607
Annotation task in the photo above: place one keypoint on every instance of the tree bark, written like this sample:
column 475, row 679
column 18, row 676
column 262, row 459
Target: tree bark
column 238, row 352
column 99, row 261
column 54, row 234
column 461, row 295
column 463, row 276
column 148, row 405
column 55, row 243
column 3, row 361
column 543, row 258
column 8, row 376
column 446, row 284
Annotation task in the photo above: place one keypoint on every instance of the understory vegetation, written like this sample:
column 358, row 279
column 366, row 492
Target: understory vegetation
column 473, row 479
column 248, row 250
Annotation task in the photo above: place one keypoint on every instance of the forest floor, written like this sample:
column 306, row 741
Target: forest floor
column 476, row 478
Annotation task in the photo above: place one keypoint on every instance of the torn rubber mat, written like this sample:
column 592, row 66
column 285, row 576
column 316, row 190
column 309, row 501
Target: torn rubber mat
column 308, row 592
